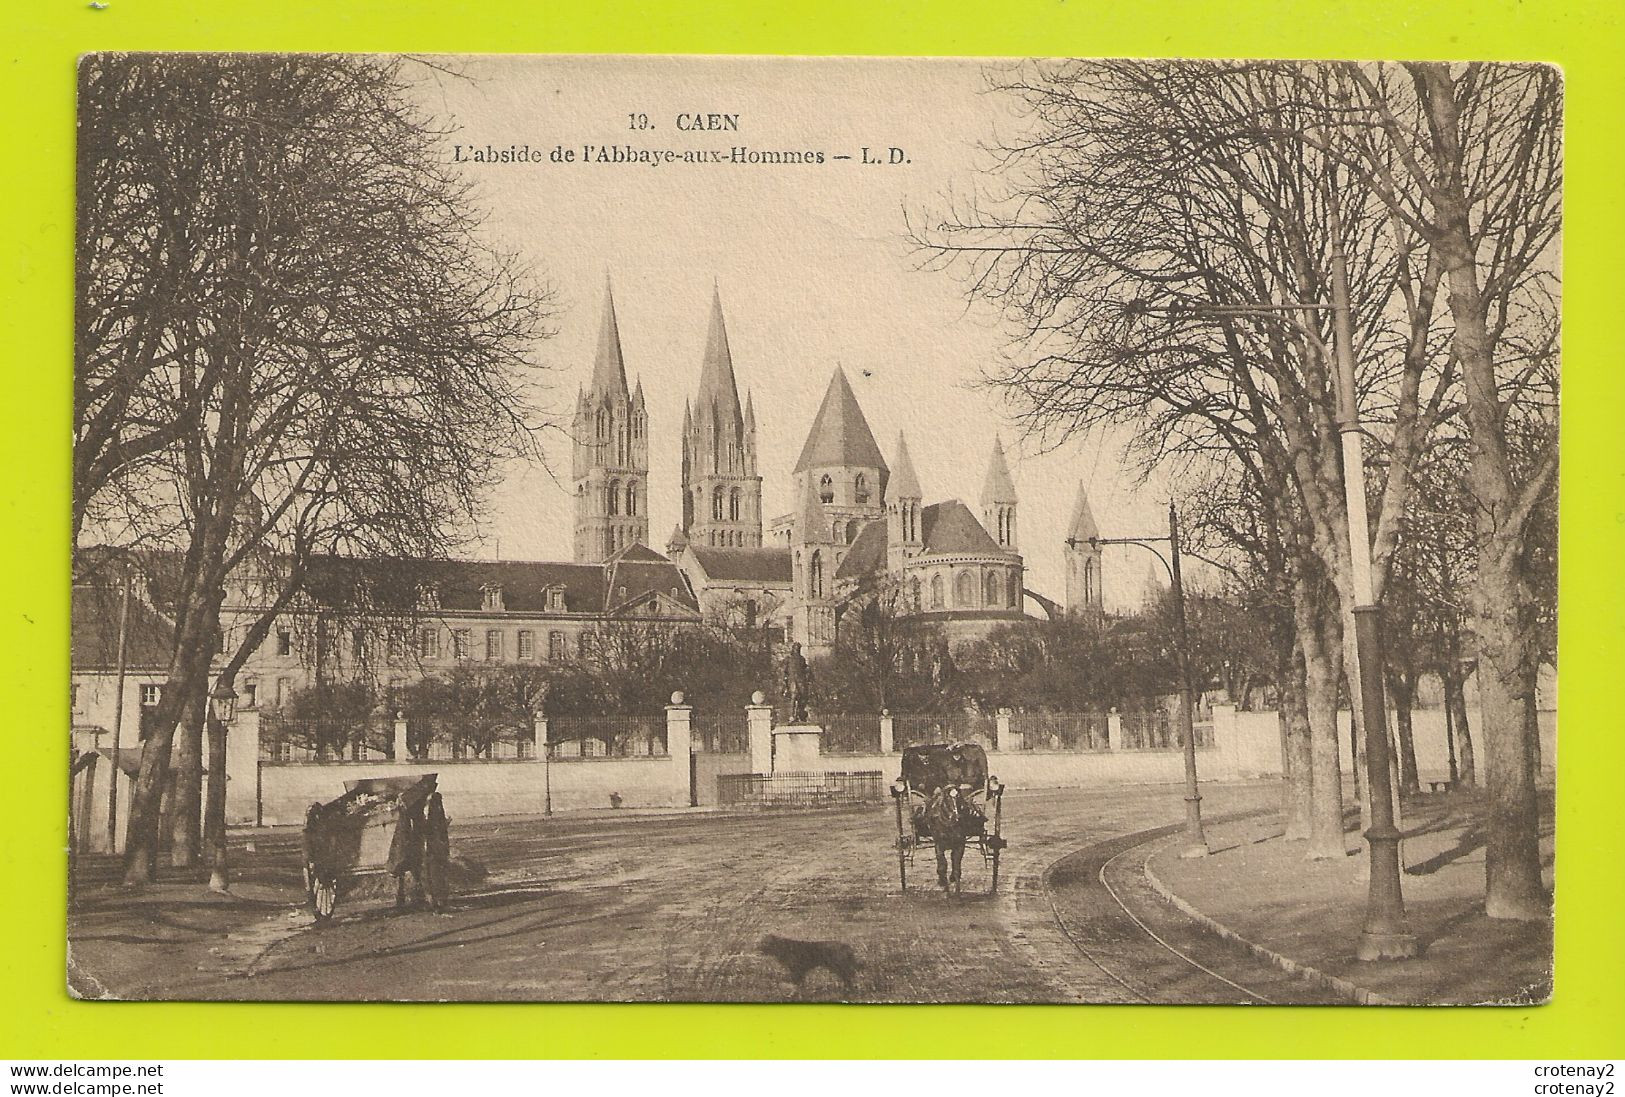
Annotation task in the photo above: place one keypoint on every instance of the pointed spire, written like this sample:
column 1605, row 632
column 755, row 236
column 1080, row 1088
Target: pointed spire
column 997, row 487
column 637, row 394
column 608, row 369
column 904, row 483
column 718, row 389
column 1082, row 527
column 688, row 419
column 750, row 411
column 840, row 434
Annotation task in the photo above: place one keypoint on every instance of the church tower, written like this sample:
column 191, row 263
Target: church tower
column 840, row 486
column 1084, row 593
column 999, row 500
column 722, row 493
column 610, row 454
column 903, row 498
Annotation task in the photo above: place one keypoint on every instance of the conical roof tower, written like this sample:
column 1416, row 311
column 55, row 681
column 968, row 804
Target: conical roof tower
column 840, row 434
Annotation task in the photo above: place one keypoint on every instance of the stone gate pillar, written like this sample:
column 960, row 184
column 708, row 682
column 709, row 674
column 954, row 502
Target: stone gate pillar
column 759, row 723
column 679, row 746
column 887, row 738
column 1114, row 730
column 1008, row 738
column 401, row 752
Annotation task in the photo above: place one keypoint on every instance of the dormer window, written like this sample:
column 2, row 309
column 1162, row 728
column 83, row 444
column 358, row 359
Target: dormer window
column 428, row 596
column 555, row 600
column 491, row 598
column 826, row 490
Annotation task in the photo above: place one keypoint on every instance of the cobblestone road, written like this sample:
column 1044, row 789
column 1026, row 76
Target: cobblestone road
column 674, row 908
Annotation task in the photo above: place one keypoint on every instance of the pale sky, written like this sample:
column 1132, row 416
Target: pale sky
column 810, row 260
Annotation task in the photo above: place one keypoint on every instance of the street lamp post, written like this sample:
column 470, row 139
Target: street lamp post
column 1195, row 837
column 1386, row 934
column 222, row 708
column 547, row 775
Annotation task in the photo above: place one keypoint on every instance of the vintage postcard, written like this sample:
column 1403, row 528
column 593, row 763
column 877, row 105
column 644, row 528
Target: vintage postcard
column 564, row 528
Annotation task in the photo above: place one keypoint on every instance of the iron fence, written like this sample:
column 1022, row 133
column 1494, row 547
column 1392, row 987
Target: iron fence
column 720, row 732
column 618, row 736
column 460, row 738
column 958, row 727
column 1061, row 731
column 851, row 734
column 800, row 789
column 1149, row 729
column 295, row 740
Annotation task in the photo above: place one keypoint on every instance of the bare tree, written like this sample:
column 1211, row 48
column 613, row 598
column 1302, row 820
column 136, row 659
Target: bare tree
column 1157, row 219
column 348, row 365
column 1470, row 158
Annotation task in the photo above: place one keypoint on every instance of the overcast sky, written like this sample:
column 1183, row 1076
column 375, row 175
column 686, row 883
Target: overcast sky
column 811, row 262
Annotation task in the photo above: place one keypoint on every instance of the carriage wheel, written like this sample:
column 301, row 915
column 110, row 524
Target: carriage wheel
column 902, row 843
column 324, row 894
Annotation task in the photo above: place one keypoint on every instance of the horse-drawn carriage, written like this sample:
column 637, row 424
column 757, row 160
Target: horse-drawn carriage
column 380, row 826
column 951, row 802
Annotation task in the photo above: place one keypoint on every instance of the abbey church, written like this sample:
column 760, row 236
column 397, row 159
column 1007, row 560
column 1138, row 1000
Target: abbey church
column 859, row 528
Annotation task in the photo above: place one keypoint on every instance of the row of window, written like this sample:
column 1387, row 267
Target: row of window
column 614, row 494
column 860, row 489
column 994, row 592
column 724, row 504
column 462, row 644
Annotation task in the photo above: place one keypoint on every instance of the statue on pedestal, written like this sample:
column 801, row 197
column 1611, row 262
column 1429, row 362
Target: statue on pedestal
column 797, row 684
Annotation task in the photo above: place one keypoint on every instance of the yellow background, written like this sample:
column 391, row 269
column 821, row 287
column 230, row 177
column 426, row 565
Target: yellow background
column 39, row 42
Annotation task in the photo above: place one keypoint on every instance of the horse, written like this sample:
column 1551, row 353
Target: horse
column 949, row 818
column 420, row 847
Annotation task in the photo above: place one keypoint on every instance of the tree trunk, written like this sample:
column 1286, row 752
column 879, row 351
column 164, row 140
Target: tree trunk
column 1402, row 690
column 1318, row 631
column 187, row 678
column 1455, row 697
column 1506, row 679
column 1297, row 762
column 146, row 803
column 1501, row 609
column 186, row 766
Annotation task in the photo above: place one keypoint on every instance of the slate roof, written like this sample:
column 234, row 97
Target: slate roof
column 946, row 528
column 950, row 527
column 840, row 434
column 868, row 552
column 395, row 582
column 94, row 615
column 750, row 565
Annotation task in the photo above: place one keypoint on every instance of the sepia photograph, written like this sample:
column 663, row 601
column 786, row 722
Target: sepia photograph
column 783, row 529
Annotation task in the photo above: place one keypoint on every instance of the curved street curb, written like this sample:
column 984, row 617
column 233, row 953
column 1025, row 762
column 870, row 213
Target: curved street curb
column 1356, row 994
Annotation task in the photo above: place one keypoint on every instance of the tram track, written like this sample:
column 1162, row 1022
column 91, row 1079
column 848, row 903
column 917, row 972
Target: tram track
column 1103, row 905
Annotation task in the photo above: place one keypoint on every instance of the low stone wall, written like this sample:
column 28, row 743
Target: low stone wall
column 1249, row 743
column 478, row 789
column 1020, row 769
column 1246, row 745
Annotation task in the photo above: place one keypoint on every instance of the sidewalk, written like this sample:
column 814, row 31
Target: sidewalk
column 1259, row 887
